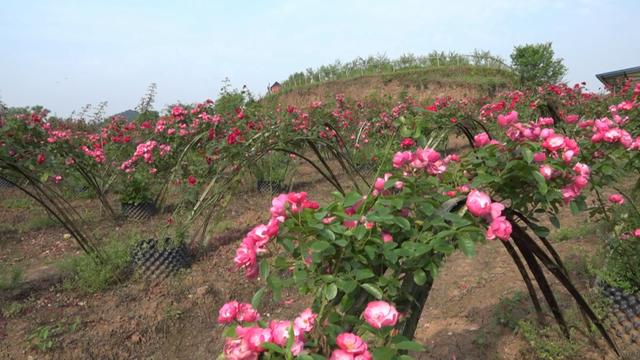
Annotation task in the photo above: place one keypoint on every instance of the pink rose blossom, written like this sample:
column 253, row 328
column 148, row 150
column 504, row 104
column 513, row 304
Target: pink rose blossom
column 546, row 171
column 386, row 237
column 379, row 314
column 616, row 199
column 508, row 119
column 478, row 203
column 255, row 337
column 238, row 349
column 227, row 312
column 340, row 354
column 306, row 321
column 351, row 343
column 500, row 227
column 481, row 139
column 539, row 157
column 554, row 142
column 246, row 313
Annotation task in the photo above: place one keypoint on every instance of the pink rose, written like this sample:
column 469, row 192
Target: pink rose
column 340, row 354
column 478, row 203
column 500, row 227
column 539, row 157
column 306, row 320
column 379, row 314
column 506, row 120
column 255, row 337
column 246, row 313
column 351, row 343
column 227, row 312
column 386, row 237
column 481, row 139
column 554, row 142
column 278, row 205
column 616, row 199
column 571, row 119
column 280, row 331
column 238, row 349
column 636, row 233
column 546, row 171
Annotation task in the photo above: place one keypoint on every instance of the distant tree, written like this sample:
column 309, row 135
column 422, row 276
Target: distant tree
column 535, row 64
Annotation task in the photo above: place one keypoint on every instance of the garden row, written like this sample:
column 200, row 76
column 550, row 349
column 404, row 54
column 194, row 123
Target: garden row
column 370, row 256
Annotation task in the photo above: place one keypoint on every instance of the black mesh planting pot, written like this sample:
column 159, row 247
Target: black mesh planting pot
column 156, row 260
column 270, row 187
column 623, row 317
column 366, row 169
column 142, row 211
column 4, row 183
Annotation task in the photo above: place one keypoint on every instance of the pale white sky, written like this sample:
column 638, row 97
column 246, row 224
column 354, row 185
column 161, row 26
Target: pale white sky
column 65, row 54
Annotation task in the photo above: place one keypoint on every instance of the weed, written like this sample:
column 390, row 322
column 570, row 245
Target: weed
column 10, row 278
column 36, row 223
column 482, row 339
column 546, row 344
column 572, row 233
column 510, row 310
column 172, row 313
column 13, row 309
column 44, row 337
column 41, row 338
column 19, row 203
column 91, row 276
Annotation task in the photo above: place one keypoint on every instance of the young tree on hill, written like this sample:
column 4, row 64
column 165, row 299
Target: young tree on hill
column 535, row 64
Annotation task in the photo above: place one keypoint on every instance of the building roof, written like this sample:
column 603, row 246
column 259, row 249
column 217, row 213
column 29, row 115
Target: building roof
column 633, row 72
column 276, row 84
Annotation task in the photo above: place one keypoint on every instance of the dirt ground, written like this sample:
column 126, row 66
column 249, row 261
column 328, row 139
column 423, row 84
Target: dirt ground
column 177, row 319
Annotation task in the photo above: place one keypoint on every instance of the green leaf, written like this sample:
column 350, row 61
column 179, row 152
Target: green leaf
column 420, row 277
column 264, row 269
column 554, row 220
column 383, row 353
column 467, row 245
column 372, row 289
column 402, row 222
column 273, row 347
column 327, row 234
column 527, row 155
column 320, row 245
column 442, row 245
column 363, row 274
column 330, row 291
column 351, row 199
column 542, row 183
column 341, row 242
column 257, row 298
column 409, row 345
column 347, row 285
column 541, row 231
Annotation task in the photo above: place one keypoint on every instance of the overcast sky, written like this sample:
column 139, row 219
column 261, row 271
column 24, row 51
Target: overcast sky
column 65, row 54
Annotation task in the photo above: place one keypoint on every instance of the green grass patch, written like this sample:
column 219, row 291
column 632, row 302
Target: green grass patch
column 37, row 222
column 44, row 338
column 19, row 203
column 13, row 309
column 577, row 231
column 88, row 275
column 511, row 309
column 546, row 343
column 10, row 277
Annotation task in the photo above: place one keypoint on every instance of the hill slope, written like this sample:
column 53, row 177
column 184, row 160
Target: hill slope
column 423, row 84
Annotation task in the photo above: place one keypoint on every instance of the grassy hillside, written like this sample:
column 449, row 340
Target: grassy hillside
column 428, row 83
